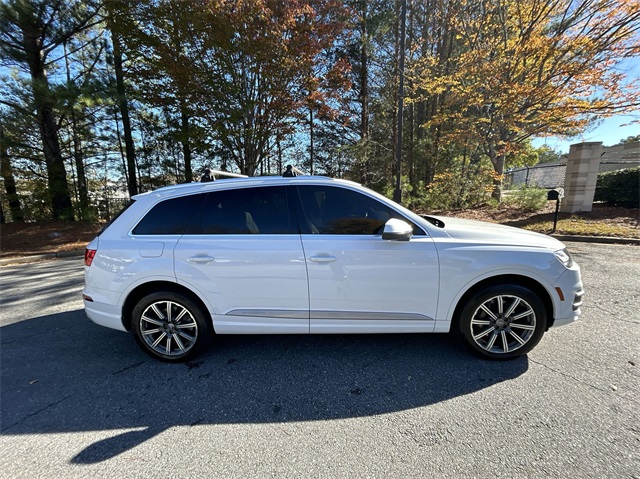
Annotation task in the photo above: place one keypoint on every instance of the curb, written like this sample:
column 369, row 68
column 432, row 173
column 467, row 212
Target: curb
column 41, row 257
column 598, row 239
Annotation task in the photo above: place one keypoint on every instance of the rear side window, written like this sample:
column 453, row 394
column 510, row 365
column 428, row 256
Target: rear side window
column 261, row 210
column 169, row 217
column 116, row 216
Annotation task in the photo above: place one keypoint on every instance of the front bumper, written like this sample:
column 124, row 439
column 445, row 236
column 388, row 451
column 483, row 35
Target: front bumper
column 568, row 297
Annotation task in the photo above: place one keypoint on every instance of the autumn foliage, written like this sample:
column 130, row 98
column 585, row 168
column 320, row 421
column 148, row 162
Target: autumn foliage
column 518, row 68
column 244, row 68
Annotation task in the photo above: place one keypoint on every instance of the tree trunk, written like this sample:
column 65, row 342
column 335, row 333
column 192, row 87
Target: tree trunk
column 279, row 157
column 132, row 183
column 78, row 154
column 364, row 75
column 311, row 140
column 411, row 112
column 397, row 194
column 82, row 177
column 9, row 181
column 394, row 75
column 59, row 196
column 186, row 140
column 497, row 160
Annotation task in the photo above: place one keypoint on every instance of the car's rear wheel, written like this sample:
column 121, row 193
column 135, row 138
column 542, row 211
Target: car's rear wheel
column 503, row 321
column 169, row 326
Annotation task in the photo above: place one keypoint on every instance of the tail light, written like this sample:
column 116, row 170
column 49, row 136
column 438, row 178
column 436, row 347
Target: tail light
column 89, row 254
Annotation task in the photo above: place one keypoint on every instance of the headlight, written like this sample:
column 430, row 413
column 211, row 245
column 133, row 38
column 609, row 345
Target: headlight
column 564, row 257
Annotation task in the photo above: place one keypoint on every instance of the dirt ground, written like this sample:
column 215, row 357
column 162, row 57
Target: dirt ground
column 21, row 239
column 626, row 218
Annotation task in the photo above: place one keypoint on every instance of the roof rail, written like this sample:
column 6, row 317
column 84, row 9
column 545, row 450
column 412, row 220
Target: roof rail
column 226, row 173
column 292, row 171
column 210, row 175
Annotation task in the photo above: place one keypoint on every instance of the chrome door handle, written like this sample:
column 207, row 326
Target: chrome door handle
column 322, row 259
column 201, row 259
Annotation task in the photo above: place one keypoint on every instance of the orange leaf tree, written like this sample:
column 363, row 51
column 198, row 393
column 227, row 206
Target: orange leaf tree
column 244, row 69
column 532, row 67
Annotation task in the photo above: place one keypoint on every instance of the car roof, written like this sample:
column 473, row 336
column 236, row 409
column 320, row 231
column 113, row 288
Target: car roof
column 226, row 183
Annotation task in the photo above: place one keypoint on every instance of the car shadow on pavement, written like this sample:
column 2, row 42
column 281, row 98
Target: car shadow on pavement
column 62, row 373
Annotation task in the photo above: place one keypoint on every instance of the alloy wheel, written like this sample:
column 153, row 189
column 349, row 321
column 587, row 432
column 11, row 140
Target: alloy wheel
column 503, row 324
column 168, row 328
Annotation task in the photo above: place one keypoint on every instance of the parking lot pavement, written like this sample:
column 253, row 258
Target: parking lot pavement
column 78, row 400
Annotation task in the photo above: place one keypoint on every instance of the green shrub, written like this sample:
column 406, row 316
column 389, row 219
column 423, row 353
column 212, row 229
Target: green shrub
column 529, row 198
column 449, row 190
column 619, row 188
column 452, row 190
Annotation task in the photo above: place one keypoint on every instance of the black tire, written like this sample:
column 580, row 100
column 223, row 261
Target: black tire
column 503, row 321
column 169, row 326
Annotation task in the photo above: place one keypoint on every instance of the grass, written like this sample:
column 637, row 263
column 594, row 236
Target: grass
column 582, row 227
column 603, row 220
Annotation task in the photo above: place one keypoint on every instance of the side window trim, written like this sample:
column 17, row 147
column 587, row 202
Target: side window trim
column 294, row 206
column 300, row 213
column 196, row 218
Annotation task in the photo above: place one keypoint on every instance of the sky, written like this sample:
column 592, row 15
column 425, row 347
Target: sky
column 609, row 132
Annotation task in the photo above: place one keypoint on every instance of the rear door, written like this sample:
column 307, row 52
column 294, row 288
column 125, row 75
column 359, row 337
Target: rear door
column 243, row 252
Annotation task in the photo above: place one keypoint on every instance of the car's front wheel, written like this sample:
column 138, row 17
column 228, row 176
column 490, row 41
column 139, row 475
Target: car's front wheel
column 503, row 321
column 169, row 326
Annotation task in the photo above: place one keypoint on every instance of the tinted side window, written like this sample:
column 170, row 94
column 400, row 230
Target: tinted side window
column 244, row 211
column 169, row 217
column 116, row 216
column 334, row 210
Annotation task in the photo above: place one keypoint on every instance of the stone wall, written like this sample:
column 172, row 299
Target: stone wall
column 581, row 176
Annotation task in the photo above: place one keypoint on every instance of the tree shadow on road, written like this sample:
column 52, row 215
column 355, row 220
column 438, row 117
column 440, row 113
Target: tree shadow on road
column 62, row 373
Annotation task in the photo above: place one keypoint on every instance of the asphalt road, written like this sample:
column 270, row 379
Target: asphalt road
column 78, row 400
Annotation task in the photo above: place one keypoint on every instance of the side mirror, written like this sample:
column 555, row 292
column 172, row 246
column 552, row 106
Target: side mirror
column 397, row 230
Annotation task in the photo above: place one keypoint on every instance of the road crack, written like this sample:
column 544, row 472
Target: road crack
column 568, row 376
column 128, row 368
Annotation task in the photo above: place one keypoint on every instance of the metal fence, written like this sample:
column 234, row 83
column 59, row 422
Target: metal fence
column 617, row 165
column 548, row 175
column 551, row 175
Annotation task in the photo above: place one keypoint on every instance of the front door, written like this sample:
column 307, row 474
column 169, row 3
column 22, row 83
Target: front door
column 359, row 282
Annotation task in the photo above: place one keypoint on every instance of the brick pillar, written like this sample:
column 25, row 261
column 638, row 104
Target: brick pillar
column 581, row 176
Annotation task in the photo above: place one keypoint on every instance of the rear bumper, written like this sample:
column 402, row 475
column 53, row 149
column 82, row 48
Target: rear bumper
column 103, row 314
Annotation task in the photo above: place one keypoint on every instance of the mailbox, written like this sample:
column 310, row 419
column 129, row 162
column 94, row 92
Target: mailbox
column 553, row 195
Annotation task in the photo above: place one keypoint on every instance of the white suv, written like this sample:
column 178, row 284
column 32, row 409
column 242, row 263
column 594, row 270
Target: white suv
column 317, row 255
